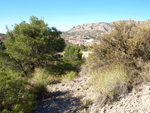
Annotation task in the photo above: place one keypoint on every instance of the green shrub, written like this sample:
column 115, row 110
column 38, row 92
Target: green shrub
column 73, row 56
column 15, row 96
column 83, row 48
column 59, row 69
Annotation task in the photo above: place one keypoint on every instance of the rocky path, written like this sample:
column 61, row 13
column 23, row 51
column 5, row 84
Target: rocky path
column 67, row 97
column 70, row 97
column 61, row 102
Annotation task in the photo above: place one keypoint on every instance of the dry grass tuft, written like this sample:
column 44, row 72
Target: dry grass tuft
column 42, row 76
column 69, row 76
column 40, row 79
column 110, row 82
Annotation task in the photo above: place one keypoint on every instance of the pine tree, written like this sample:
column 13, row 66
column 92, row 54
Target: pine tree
column 73, row 56
column 33, row 44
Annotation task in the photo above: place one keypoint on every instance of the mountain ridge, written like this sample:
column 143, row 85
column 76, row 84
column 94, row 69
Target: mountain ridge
column 93, row 30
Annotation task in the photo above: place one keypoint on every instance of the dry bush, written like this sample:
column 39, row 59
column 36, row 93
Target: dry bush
column 42, row 76
column 125, row 44
column 114, row 47
column 120, row 60
column 144, row 72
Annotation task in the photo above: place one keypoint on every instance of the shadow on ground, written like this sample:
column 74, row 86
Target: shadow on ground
column 60, row 102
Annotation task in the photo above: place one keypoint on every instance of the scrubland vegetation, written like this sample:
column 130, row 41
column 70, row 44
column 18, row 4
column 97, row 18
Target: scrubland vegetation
column 30, row 60
column 118, row 63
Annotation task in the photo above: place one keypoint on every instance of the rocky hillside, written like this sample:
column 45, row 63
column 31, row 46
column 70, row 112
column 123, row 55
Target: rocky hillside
column 104, row 27
column 93, row 30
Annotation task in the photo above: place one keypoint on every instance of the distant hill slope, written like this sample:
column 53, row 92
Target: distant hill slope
column 93, row 30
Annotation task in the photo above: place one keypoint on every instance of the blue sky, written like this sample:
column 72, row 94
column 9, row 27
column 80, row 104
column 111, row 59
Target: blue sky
column 64, row 14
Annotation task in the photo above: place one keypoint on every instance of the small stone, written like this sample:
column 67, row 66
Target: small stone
column 78, row 88
column 111, row 107
column 63, row 84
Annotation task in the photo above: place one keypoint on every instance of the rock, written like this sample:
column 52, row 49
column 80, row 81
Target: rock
column 63, row 84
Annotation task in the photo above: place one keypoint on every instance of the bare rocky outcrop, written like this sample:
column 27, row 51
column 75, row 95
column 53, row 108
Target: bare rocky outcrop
column 103, row 26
